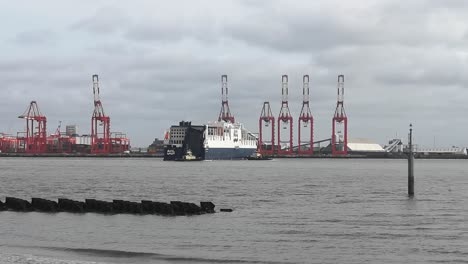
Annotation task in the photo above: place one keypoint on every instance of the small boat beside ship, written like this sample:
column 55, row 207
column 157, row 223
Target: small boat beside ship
column 257, row 156
column 189, row 157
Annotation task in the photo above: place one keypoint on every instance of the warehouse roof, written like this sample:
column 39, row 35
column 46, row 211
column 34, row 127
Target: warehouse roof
column 364, row 145
column 451, row 150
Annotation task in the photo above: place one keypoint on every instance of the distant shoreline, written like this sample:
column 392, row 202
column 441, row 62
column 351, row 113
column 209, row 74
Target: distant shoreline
column 316, row 156
column 80, row 155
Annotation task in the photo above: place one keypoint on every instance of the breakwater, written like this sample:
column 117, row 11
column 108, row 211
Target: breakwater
column 172, row 208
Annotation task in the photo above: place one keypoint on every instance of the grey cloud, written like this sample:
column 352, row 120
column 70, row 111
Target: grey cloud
column 433, row 67
column 35, row 37
column 175, row 29
column 306, row 30
column 106, row 20
column 401, row 61
column 296, row 34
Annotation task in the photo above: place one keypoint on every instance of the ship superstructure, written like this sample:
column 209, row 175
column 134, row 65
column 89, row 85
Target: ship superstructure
column 225, row 140
column 182, row 139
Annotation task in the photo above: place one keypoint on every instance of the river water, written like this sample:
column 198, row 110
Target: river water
column 285, row 211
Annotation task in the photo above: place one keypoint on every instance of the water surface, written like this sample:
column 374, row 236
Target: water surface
column 285, row 211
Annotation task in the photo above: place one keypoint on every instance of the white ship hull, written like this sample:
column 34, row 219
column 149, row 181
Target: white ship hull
column 225, row 140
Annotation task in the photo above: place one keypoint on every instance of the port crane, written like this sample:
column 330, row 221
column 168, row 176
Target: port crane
column 306, row 120
column 225, row 113
column 100, row 124
column 285, row 119
column 266, row 119
column 34, row 140
column 339, row 143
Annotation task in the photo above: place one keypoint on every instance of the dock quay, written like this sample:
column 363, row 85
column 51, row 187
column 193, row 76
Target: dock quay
column 82, row 155
column 290, row 156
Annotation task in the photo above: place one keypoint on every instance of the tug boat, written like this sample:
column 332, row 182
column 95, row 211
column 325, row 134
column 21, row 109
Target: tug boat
column 257, row 156
column 189, row 156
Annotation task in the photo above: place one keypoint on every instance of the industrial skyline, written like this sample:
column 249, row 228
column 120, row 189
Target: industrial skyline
column 160, row 64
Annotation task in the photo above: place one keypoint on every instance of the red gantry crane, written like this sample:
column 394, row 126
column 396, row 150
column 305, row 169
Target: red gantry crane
column 285, row 119
column 307, row 120
column 60, row 143
column 8, row 143
column 100, row 124
column 53, row 141
column 339, row 142
column 266, row 119
column 225, row 113
column 119, row 142
column 34, row 140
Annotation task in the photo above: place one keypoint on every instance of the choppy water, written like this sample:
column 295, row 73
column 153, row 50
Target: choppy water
column 285, row 211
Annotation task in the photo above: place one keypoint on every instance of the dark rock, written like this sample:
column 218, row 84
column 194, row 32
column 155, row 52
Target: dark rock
column 178, row 207
column 167, row 209
column 192, row 209
column 97, row 206
column 67, row 205
column 131, row 207
column 126, row 207
column 135, row 208
column 90, row 205
column 2, row 206
column 148, row 207
column 118, row 206
column 43, row 205
column 104, row 207
column 16, row 204
column 163, row 208
column 225, row 210
column 182, row 208
column 207, row 207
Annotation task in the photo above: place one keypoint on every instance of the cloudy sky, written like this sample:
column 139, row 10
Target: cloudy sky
column 160, row 62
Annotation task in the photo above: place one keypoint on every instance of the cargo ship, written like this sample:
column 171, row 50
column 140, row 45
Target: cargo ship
column 212, row 141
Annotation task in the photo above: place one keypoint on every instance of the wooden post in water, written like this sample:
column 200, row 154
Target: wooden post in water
column 410, row 164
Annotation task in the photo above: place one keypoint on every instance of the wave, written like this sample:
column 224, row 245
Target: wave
column 105, row 252
column 32, row 259
column 114, row 253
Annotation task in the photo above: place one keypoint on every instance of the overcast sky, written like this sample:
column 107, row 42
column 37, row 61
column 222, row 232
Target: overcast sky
column 160, row 62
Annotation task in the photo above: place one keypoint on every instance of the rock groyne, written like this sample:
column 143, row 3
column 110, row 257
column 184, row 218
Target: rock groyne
column 172, row 208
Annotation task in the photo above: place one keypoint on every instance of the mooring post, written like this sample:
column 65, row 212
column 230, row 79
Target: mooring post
column 410, row 164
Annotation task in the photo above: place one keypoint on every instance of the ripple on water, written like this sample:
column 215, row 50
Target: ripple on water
column 337, row 211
